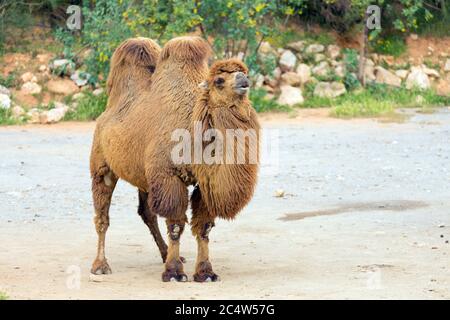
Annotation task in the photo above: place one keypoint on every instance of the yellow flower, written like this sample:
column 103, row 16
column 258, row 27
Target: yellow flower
column 260, row 6
column 229, row 4
column 289, row 11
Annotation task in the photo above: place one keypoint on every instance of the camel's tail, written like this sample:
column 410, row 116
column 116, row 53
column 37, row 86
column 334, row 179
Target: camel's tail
column 132, row 67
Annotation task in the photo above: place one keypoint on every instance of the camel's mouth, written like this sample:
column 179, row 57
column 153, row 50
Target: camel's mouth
column 242, row 87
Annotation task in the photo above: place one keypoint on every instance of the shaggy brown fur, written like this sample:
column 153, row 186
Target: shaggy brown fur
column 132, row 66
column 137, row 148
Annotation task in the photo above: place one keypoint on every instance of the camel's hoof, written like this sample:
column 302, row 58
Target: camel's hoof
column 205, row 273
column 206, row 277
column 100, row 267
column 170, row 276
column 174, row 272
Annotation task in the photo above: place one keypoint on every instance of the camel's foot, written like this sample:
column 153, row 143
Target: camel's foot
column 174, row 272
column 100, row 267
column 205, row 273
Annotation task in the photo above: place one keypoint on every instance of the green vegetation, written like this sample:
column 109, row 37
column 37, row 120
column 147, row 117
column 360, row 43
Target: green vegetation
column 89, row 107
column 376, row 100
column 3, row 296
column 6, row 117
column 262, row 103
column 392, row 45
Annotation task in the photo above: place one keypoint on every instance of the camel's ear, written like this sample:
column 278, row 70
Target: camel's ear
column 203, row 85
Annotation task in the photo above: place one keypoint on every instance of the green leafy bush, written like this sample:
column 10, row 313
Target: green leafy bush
column 90, row 107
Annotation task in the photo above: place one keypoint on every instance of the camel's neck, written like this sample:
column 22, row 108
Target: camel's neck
column 227, row 172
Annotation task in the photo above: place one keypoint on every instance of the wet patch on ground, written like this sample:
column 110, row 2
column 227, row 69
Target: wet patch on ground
column 391, row 205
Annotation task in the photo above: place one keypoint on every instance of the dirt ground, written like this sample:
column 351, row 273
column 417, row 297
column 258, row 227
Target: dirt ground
column 366, row 214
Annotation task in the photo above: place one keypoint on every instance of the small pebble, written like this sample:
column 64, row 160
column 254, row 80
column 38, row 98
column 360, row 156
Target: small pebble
column 279, row 193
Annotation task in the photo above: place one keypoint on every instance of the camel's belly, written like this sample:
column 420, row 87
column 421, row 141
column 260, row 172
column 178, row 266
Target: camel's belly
column 124, row 157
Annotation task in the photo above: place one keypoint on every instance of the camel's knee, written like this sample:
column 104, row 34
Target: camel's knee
column 101, row 221
column 168, row 198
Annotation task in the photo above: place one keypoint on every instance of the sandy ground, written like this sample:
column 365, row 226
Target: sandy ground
column 366, row 215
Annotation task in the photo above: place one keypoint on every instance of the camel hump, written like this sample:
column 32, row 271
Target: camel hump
column 188, row 48
column 136, row 51
column 130, row 59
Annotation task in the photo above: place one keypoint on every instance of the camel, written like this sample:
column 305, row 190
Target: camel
column 136, row 144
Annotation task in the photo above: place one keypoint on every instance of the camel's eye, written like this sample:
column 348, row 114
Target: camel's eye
column 151, row 69
column 219, row 81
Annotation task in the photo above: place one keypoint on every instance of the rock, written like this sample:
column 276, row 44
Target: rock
column 389, row 60
column 291, row 78
column 297, row 46
column 315, row 48
column 322, row 69
column 340, row 71
column 259, row 80
column 329, row 89
column 31, row 88
column 265, row 48
column 4, row 90
column 270, row 81
column 55, row 115
column 333, row 51
column 98, row 91
column 62, row 86
column 268, row 89
column 42, row 68
column 414, row 36
column 387, row 77
column 287, row 61
column 277, row 73
column 430, row 72
column 78, row 96
column 5, row 101
column 279, row 193
column 417, row 78
column 17, row 111
column 62, row 66
column 28, row 77
column 443, row 87
column 80, row 78
column 290, row 95
column 304, row 72
column 33, row 115
column 447, row 66
column 319, row 57
column 402, row 74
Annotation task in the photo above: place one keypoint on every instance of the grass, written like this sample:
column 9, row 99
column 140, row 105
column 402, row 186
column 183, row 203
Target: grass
column 89, row 107
column 3, row 296
column 262, row 104
column 6, row 118
column 281, row 39
column 393, row 45
column 376, row 100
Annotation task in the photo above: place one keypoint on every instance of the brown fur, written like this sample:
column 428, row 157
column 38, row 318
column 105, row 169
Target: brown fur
column 137, row 147
column 132, row 66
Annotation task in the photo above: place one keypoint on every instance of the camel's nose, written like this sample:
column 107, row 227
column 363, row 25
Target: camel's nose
column 242, row 80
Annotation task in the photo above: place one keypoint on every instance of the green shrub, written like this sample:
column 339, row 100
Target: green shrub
column 89, row 107
column 393, row 45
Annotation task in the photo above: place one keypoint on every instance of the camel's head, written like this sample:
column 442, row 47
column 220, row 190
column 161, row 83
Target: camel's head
column 227, row 79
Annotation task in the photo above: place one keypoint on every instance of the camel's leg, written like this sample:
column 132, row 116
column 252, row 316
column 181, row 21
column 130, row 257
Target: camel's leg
column 201, row 225
column 174, row 263
column 103, row 184
column 151, row 220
